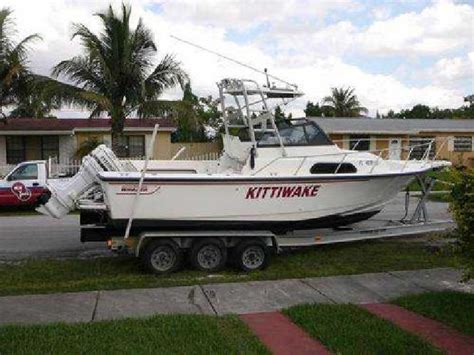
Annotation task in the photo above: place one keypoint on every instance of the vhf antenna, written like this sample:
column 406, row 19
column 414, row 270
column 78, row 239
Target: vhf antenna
column 235, row 61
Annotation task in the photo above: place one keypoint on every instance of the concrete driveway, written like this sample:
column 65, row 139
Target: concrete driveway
column 41, row 236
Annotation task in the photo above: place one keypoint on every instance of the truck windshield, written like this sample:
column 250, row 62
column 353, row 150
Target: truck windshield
column 296, row 134
column 25, row 172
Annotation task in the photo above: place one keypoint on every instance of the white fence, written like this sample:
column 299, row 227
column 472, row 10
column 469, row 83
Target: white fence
column 63, row 168
column 204, row 156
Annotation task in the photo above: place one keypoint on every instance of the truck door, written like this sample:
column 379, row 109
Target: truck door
column 21, row 186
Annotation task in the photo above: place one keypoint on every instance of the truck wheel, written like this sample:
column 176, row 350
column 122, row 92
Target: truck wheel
column 162, row 257
column 251, row 255
column 208, row 255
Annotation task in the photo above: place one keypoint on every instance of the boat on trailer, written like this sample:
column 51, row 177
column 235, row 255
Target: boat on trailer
column 272, row 180
column 276, row 176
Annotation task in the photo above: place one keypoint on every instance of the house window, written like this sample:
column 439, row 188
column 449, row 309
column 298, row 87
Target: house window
column 462, row 144
column 359, row 142
column 16, row 149
column 49, row 147
column 131, row 146
column 419, row 145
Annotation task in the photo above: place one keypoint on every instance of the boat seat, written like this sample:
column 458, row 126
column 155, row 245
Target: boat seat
column 235, row 154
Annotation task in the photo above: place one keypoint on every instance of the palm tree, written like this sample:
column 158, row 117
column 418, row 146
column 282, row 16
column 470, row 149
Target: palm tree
column 116, row 74
column 343, row 103
column 15, row 78
column 35, row 103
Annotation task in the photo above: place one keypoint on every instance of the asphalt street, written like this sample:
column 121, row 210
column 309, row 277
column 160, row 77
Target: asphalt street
column 41, row 236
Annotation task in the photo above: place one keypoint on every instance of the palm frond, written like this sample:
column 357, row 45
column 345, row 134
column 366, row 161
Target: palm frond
column 167, row 74
column 343, row 102
column 6, row 29
column 163, row 108
column 22, row 47
column 68, row 94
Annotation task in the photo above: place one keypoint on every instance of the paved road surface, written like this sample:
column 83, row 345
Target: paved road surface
column 40, row 236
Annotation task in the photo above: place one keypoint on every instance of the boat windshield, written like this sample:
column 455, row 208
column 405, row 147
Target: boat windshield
column 298, row 133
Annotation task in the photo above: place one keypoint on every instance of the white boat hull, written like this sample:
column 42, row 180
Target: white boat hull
column 232, row 201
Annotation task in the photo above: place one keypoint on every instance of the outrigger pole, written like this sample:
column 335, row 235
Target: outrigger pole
column 235, row 61
column 140, row 182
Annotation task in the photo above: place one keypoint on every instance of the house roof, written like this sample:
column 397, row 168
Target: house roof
column 343, row 125
column 71, row 125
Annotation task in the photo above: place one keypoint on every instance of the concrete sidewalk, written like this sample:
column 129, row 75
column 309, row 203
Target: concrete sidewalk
column 239, row 298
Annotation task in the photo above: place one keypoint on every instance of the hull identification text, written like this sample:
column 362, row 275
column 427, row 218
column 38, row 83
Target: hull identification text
column 268, row 192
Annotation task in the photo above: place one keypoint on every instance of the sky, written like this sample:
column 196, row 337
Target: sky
column 394, row 53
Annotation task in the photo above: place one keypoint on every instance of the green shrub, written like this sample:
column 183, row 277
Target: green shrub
column 462, row 207
column 87, row 146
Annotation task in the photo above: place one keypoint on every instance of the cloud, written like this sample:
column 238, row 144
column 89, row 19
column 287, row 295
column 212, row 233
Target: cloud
column 442, row 27
column 381, row 12
column 375, row 91
column 247, row 13
column 298, row 44
column 450, row 71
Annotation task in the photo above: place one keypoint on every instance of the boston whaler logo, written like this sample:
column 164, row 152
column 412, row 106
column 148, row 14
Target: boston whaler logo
column 131, row 189
column 268, row 192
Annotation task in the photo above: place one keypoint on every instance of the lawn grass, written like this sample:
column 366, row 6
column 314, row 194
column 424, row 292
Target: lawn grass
column 348, row 329
column 440, row 197
column 164, row 334
column 46, row 276
column 455, row 309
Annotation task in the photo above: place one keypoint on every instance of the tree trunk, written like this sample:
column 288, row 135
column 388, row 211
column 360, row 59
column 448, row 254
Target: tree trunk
column 118, row 123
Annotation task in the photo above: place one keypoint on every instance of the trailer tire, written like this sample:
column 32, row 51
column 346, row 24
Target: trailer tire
column 162, row 257
column 209, row 254
column 251, row 255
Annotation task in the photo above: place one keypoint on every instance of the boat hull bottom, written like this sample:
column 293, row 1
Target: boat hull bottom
column 277, row 227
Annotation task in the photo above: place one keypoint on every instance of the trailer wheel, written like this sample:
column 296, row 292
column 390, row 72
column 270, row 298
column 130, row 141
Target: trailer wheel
column 251, row 255
column 162, row 257
column 208, row 254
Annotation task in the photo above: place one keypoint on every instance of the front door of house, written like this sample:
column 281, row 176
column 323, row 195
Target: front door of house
column 395, row 149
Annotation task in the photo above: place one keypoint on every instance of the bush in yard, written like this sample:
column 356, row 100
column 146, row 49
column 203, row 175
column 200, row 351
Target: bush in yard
column 462, row 207
column 87, row 146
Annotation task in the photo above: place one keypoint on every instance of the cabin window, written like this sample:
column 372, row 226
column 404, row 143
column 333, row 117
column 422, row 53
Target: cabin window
column 419, row 145
column 16, row 149
column 359, row 142
column 330, row 168
column 131, row 146
column 303, row 133
column 463, row 144
column 49, row 147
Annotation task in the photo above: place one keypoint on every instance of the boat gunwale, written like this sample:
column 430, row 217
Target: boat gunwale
column 314, row 178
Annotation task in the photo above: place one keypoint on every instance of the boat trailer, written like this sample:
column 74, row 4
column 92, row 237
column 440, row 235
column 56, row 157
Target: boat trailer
column 251, row 249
